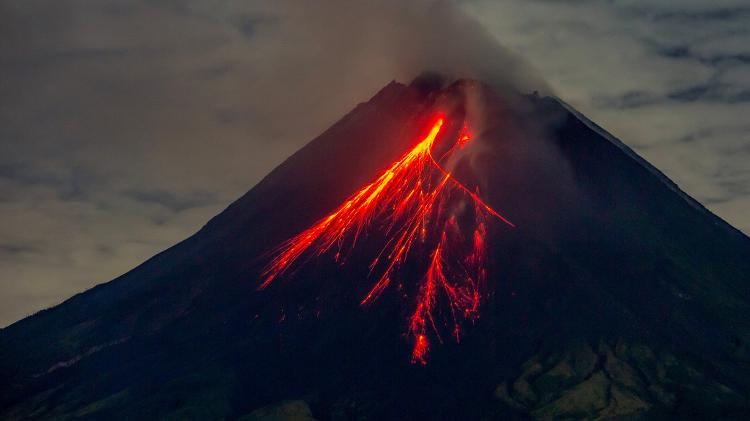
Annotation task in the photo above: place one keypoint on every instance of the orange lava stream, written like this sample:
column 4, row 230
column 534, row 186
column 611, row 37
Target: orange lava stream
column 414, row 202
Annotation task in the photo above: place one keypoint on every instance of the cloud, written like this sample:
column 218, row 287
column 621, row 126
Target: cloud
column 171, row 201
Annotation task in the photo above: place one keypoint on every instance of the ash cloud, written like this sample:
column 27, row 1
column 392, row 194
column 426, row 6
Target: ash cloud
column 320, row 59
column 371, row 42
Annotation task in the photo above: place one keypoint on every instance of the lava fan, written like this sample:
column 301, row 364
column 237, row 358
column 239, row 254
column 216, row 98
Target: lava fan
column 429, row 218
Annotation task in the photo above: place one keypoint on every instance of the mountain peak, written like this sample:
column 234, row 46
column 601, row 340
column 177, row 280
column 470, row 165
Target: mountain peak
column 612, row 293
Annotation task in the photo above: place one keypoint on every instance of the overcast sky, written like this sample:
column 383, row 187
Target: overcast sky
column 126, row 125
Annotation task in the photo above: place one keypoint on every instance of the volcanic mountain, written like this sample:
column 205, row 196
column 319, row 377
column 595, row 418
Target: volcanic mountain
column 444, row 251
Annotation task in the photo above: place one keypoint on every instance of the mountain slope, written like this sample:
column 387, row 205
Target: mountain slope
column 615, row 295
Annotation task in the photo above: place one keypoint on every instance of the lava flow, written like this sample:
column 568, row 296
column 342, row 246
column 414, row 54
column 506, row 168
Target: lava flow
column 418, row 204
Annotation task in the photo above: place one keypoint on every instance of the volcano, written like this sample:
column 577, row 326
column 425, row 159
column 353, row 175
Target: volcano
column 444, row 251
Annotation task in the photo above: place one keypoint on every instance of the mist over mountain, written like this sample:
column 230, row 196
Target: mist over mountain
column 613, row 294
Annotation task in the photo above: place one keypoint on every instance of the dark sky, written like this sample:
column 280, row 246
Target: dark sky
column 126, row 125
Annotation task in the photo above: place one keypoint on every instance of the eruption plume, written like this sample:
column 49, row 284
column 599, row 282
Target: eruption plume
column 428, row 217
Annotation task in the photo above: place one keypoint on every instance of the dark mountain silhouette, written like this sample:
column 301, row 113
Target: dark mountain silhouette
column 616, row 296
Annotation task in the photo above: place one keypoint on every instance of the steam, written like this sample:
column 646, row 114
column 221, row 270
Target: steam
column 340, row 52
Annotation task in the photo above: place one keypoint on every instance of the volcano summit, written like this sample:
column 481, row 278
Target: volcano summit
column 444, row 251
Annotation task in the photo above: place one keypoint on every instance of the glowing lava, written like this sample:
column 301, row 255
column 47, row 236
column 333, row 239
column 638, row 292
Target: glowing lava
column 417, row 203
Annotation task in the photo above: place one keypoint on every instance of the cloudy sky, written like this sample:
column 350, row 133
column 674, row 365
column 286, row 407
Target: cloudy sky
column 126, row 125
